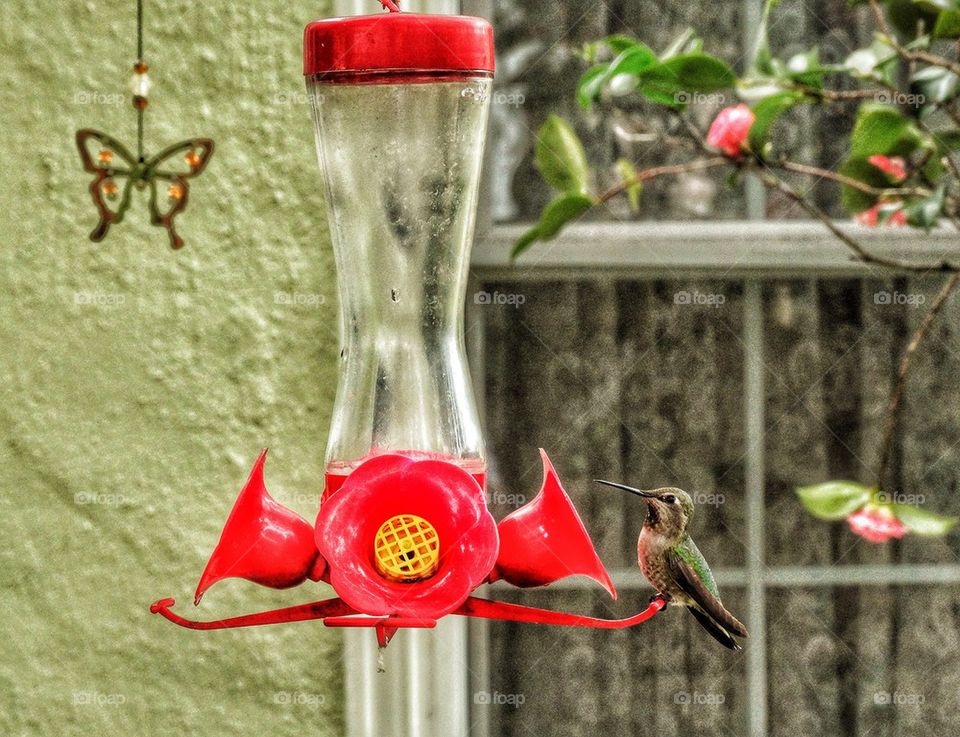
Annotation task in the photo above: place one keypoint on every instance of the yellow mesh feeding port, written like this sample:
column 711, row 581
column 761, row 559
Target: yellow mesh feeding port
column 407, row 548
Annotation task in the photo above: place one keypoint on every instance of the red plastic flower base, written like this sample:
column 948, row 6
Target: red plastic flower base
column 403, row 542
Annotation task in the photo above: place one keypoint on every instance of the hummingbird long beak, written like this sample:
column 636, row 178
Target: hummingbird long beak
column 624, row 487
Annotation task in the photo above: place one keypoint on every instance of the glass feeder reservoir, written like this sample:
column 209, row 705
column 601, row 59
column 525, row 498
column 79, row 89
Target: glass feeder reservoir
column 400, row 103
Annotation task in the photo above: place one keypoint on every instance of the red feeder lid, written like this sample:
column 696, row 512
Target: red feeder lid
column 398, row 42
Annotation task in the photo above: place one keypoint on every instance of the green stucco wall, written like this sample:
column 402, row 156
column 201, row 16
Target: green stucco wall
column 128, row 425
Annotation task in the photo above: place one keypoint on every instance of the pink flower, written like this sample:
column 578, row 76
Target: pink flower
column 871, row 217
column 876, row 524
column 728, row 131
column 897, row 219
column 893, row 166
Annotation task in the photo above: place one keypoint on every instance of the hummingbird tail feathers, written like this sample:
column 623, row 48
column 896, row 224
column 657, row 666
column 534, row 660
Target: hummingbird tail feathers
column 693, row 585
column 716, row 631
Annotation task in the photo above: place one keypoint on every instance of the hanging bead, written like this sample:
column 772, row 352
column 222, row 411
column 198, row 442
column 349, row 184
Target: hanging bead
column 140, row 81
column 193, row 159
column 174, row 192
column 105, row 156
column 110, row 189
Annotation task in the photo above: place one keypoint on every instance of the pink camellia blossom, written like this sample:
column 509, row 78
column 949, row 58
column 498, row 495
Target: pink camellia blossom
column 876, row 524
column 893, row 166
column 871, row 217
column 728, row 131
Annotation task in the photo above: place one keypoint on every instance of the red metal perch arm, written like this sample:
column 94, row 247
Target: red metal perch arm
column 335, row 613
column 486, row 609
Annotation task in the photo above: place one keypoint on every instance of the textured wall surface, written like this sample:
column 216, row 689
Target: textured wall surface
column 137, row 384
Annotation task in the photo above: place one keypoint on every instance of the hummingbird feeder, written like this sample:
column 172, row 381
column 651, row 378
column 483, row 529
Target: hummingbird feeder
column 403, row 535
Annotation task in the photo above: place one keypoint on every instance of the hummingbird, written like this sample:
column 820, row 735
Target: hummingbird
column 671, row 561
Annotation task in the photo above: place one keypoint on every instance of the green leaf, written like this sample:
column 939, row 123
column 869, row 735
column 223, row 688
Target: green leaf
column 805, row 68
column 619, row 42
column 921, row 522
column 633, row 60
column 767, row 111
column 628, row 173
column 880, row 129
column 591, row 85
column 925, row 212
column 948, row 24
column 558, row 213
column 877, row 61
column 675, row 81
column 762, row 56
column 834, row 500
column 686, row 41
column 934, row 84
column 907, row 15
column 856, row 200
column 560, row 156
column 695, row 72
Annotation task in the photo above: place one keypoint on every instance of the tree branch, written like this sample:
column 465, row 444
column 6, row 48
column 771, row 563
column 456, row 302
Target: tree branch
column 907, row 54
column 660, row 171
column 862, row 254
column 896, row 399
column 815, row 171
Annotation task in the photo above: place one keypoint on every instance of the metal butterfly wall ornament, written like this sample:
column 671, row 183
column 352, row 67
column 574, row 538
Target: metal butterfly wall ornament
column 117, row 172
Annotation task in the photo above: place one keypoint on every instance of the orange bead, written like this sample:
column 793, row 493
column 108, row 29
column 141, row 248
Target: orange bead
column 110, row 189
column 193, row 159
column 105, row 156
column 174, row 191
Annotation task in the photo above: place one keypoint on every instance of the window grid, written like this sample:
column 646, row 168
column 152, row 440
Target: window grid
column 781, row 247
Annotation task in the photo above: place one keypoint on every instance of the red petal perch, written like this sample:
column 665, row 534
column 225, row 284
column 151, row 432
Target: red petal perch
column 263, row 542
column 545, row 540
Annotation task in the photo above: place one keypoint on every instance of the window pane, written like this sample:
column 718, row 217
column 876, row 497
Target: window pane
column 871, row 661
column 664, row 677
column 831, row 357
column 636, row 382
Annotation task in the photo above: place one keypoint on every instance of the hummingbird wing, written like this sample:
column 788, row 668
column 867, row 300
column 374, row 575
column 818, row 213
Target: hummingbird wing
column 716, row 631
column 689, row 569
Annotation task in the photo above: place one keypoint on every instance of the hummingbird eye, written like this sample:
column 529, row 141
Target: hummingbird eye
column 669, row 499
